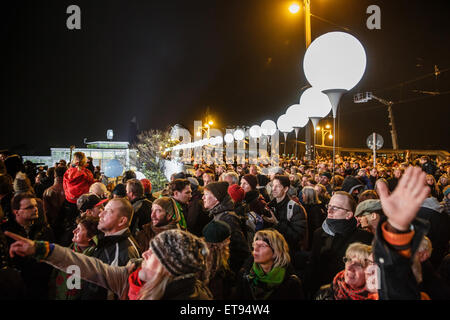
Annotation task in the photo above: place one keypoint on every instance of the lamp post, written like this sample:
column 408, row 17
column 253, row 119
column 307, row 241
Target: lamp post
column 325, row 131
column 334, row 63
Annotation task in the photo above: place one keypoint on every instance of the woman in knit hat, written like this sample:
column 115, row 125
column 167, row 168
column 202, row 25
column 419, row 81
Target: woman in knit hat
column 165, row 216
column 253, row 198
column 171, row 268
column 219, row 275
column 270, row 275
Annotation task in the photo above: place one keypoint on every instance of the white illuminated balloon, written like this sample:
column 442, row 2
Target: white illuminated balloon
column 315, row 102
column 219, row 140
column 228, row 138
column 255, row 131
column 335, row 60
column 297, row 116
column 239, row 134
column 268, row 127
column 283, row 123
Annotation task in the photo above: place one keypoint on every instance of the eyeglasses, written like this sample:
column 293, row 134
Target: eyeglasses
column 349, row 261
column 335, row 208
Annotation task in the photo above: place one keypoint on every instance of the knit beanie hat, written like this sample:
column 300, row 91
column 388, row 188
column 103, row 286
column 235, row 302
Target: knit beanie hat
column 251, row 180
column 216, row 231
column 168, row 204
column 180, row 252
column 218, row 189
column 236, row 193
column 120, row 190
column 21, row 183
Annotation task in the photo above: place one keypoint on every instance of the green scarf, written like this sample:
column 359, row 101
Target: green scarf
column 182, row 221
column 262, row 284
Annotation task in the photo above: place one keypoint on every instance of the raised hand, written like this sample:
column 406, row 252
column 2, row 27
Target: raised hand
column 402, row 205
column 22, row 247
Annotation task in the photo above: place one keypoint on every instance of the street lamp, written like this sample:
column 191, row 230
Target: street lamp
column 325, row 131
column 206, row 128
column 334, row 63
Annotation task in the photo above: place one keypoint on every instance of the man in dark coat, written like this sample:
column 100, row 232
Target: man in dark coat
column 331, row 241
column 219, row 204
column 142, row 207
column 196, row 216
column 290, row 222
column 35, row 275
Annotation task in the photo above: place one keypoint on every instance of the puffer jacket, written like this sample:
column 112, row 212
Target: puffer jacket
column 76, row 182
column 239, row 250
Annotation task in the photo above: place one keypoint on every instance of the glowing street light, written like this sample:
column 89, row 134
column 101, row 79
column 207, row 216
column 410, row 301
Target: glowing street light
column 294, row 8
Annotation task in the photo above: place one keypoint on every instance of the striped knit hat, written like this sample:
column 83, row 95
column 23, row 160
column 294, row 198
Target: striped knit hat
column 180, row 252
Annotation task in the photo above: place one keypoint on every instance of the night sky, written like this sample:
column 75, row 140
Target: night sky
column 164, row 62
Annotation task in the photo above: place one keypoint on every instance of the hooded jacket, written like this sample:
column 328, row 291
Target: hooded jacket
column 77, row 182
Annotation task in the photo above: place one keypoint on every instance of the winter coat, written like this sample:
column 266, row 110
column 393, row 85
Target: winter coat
column 115, row 279
column 197, row 217
column 316, row 215
column 327, row 253
column 239, row 250
column 35, row 275
column 142, row 208
column 113, row 250
column 290, row 289
column 294, row 230
column 77, row 182
column 397, row 280
column 439, row 232
column 53, row 199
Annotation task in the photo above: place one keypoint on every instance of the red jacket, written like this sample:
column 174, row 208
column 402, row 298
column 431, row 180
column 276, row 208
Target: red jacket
column 77, row 182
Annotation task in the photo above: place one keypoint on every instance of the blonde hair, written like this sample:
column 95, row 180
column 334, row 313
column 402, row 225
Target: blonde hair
column 360, row 251
column 79, row 159
column 154, row 288
column 278, row 244
column 310, row 195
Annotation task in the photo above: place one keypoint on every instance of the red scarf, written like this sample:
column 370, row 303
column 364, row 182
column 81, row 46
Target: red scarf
column 343, row 291
column 135, row 285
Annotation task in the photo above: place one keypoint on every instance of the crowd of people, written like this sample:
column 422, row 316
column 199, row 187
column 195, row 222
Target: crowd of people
column 297, row 231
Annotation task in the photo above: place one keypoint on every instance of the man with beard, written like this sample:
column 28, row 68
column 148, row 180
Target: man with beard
column 165, row 215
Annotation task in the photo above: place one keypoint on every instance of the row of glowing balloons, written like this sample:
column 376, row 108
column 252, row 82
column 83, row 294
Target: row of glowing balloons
column 333, row 64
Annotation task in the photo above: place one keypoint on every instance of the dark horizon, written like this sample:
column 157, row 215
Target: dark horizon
column 166, row 62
